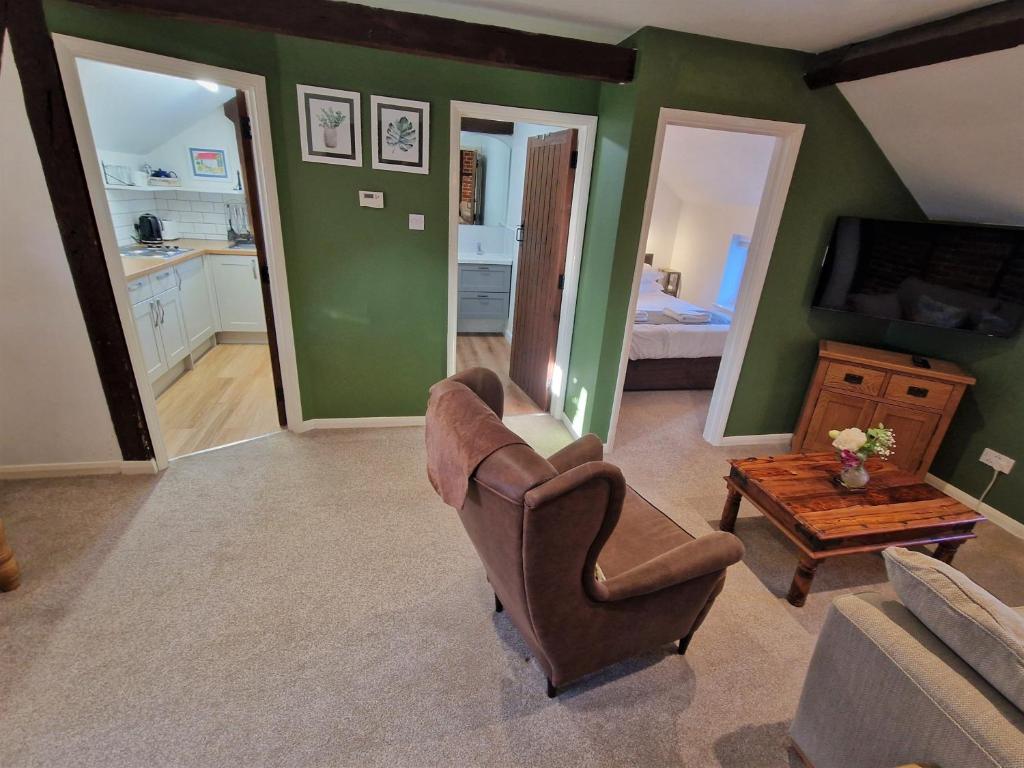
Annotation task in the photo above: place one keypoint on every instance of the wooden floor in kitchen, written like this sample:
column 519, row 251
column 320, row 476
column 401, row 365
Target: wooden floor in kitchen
column 493, row 351
column 227, row 397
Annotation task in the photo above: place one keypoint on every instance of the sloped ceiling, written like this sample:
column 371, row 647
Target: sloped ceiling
column 134, row 112
column 805, row 25
column 708, row 166
column 954, row 132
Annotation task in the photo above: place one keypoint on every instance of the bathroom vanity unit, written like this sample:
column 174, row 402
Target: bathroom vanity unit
column 485, row 285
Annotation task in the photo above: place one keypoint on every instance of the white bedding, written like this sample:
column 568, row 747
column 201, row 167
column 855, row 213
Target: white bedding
column 657, row 341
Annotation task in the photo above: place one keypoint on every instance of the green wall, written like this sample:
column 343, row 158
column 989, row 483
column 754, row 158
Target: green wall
column 368, row 296
column 840, row 171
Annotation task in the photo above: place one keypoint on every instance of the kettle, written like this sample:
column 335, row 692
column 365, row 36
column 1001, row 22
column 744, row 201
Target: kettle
column 148, row 229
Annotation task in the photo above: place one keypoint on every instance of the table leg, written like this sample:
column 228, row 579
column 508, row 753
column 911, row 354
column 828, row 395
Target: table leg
column 802, row 581
column 10, row 573
column 946, row 550
column 732, row 508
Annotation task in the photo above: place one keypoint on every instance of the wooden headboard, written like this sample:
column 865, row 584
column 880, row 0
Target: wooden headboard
column 649, row 259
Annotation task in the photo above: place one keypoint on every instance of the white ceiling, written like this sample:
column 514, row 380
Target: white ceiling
column 954, row 132
column 806, row 25
column 707, row 166
column 134, row 112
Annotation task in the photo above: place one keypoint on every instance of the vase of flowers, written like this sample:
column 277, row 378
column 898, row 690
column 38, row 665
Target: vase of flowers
column 854, row 447
column 330, row 120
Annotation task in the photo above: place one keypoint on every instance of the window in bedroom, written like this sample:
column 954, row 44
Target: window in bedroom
column 735, row 262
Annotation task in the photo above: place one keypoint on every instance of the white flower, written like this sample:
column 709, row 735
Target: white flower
column 851, row 439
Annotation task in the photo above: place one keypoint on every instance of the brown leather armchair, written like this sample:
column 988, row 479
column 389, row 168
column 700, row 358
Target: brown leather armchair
column 540, row 526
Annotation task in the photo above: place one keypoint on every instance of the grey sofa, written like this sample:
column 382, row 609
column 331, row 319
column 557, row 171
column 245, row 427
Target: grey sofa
column 883, row 690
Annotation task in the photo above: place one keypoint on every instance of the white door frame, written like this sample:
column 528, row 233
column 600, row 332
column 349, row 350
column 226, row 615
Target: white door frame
column 254, row 86
column 762, row 243
column 586, row 127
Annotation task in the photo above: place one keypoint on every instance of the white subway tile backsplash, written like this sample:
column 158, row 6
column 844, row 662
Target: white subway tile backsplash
column 210, row 197
column 200, row 215
column 188, row 195
column 203, row 207
column 188, row 216
column 215, row 218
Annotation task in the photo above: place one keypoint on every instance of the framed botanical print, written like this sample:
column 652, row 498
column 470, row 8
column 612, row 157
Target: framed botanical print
column 208, row 163
column 401, row 134
column 330, row 126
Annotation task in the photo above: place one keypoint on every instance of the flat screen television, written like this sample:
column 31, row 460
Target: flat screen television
column 958, row 276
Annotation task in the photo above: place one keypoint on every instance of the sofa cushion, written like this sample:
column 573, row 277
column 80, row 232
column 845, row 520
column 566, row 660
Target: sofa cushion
column 983, row 631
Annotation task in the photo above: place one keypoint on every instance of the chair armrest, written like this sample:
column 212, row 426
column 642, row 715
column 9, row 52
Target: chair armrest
column 700, row 557
column 587, row 448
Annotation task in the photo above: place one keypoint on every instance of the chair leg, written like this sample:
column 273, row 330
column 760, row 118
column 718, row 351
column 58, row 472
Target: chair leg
column 684, row 643
column 498, row 607
column 552, row 691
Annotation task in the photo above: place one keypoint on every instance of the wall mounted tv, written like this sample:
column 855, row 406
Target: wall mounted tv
column 959, row 276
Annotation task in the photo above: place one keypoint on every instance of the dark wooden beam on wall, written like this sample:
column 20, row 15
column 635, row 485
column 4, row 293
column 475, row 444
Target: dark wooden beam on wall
column 483, row 125
column 50, row 120
column 993, row 27
column 415, row 33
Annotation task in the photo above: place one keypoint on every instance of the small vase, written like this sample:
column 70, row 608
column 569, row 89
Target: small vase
column 331, row 137
column 854, row 478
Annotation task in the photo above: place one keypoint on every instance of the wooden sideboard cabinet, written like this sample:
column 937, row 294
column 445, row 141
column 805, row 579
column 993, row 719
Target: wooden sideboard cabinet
column 860, row 387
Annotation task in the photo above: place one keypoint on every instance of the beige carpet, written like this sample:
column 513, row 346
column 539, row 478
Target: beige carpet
column 307, row 601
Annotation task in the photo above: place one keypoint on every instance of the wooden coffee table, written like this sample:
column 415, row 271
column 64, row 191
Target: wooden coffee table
column 798, row 494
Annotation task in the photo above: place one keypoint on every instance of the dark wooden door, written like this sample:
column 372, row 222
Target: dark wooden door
column 547, row 199
column 237, row 110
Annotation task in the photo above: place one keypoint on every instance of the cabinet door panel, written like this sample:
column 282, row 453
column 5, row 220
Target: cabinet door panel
column 195, row 301
column 239, row 295
column 914, row 430
column 146, row 316
column 835, row 411
column 172, row 326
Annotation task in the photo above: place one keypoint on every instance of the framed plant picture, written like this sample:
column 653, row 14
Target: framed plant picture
column 208, row 163
column 330, row 126
column 401, row 134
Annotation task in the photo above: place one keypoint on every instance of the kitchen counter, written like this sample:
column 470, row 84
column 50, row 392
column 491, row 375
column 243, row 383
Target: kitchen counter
column 146, row 265
column 476, row 258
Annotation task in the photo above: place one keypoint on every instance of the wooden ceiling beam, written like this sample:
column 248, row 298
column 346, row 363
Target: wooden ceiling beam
column 993, row 27
column 400, row 31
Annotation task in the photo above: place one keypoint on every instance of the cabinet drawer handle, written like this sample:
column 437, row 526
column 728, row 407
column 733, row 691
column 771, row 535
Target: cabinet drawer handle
column 482, row 296
column 483, row 269
column 853, row 378
column 164, row 276
column 917, row 391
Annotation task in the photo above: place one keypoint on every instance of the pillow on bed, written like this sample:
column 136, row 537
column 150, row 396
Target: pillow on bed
column 650, row 279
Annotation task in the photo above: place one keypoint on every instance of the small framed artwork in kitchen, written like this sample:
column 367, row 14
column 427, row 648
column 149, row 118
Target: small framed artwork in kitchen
column 208, row 163
column 330, row 126
column 401, row 134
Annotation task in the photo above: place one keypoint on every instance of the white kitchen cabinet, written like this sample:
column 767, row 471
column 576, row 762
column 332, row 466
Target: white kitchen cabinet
column 171, row 325
column 239, row 295
column 195, row 301
column 146, row 317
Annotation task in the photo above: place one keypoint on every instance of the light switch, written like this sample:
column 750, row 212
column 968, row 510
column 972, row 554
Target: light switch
column 371, row 199
column 416, row 221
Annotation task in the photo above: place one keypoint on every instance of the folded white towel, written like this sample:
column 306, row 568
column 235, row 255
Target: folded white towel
column 641, row 316
column 689, row 318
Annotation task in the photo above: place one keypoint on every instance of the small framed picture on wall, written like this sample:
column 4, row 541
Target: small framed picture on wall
column 401, row 134
column 208, row 163
column 330, row 127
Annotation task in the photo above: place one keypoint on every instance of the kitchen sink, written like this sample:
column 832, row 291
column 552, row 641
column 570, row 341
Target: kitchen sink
column 153, row 253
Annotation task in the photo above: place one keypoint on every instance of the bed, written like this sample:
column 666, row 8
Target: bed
column 665, row 353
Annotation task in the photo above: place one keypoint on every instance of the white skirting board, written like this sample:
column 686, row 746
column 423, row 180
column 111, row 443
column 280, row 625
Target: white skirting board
column 1001, row 519
column 76, row 469
column 369, row 422
column 782, row 437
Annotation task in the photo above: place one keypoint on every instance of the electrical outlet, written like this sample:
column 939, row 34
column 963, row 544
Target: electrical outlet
column 997, row 461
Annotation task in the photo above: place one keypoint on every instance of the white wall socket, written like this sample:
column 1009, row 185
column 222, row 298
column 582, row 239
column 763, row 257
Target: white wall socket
column 997, row 461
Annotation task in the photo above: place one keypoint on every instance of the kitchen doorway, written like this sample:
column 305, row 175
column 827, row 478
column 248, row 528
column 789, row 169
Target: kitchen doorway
column 185, row 202
column 519, row 185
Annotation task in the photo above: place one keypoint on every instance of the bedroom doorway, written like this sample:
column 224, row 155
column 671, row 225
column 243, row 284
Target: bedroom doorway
column 715, row 197
column 519, row 185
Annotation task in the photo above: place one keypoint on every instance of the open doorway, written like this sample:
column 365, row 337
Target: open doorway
column 715, row 196
column 519, row 184
column 180, row 194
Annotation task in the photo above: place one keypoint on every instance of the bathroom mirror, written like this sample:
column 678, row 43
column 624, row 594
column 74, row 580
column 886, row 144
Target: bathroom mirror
column 484, row 162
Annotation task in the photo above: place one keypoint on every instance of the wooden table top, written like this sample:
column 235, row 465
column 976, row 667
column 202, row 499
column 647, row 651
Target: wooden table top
column 801, row 485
